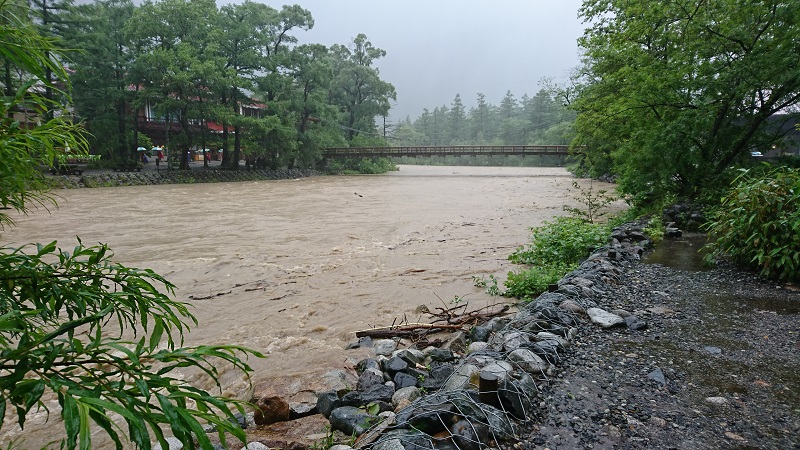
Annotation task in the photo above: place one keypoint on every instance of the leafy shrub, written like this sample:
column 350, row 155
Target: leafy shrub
column 565, row 240
column 758, row 223
column 529, row 283
column 354, row 166
column 556, row 248
column 655, row 229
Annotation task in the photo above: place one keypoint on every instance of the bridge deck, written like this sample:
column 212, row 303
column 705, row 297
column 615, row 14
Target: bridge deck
column 457, row 150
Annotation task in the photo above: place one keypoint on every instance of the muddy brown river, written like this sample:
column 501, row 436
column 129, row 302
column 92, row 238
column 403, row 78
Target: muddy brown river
column 293, row 268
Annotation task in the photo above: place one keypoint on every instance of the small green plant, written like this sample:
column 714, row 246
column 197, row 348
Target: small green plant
column 593, row 203
column 565, row 240
column 528, row 283
column 325, row 443
column 373, row 408
column 456, row 299
column 655, row 229
column 758, row 223
column 556, row 248
column 479, row 281
column 492, row 288
column 491, row 284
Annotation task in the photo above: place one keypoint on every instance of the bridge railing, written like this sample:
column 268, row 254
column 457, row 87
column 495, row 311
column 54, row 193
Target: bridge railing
column 455, row 150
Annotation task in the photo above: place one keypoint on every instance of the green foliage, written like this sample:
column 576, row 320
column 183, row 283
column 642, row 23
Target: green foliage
column 326, row 442
column 670, row 97
column 556, row 248
column 593, row 203
column 539, row 120
column 655, row 229
column 194, row 62
column 101, row 338
column 493, row 289
column 23, row 150
column 352, row 166
column 528, row 283
column 491, row 285
column 357, row 89
column 758, row 223
column 59, row 313
column 565, row 240
column 457, row 299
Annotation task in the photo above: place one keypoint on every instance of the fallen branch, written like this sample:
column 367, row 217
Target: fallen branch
column 453, row 317
column 206, row 297
column 407, row 330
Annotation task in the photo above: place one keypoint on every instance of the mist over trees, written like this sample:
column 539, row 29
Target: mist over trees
column 542, row 119
column 191, row 63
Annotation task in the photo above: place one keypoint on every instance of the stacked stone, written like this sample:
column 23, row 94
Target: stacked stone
column 177, row 177
column 682, row 215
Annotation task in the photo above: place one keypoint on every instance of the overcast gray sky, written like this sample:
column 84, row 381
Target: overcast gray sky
column 436, row 49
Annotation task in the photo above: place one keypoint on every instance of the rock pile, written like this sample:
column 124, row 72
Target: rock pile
column 682, row 215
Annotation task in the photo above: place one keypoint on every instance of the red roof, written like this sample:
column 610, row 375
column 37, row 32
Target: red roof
column 216, row 128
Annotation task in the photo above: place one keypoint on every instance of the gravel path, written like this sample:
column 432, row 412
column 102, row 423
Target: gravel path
column 718, row 367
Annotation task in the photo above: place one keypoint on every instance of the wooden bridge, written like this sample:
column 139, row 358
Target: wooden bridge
column 450, row 150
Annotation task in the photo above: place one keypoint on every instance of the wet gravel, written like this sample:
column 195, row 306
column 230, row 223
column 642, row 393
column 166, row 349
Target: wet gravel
column 718, row 367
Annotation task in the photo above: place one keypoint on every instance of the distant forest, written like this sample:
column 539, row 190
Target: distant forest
column 539, row 120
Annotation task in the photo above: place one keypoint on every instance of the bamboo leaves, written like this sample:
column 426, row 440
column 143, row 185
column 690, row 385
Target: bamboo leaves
column 66, row 351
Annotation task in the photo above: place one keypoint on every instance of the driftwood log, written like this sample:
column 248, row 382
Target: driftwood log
column 408, row 330
column 455, row 318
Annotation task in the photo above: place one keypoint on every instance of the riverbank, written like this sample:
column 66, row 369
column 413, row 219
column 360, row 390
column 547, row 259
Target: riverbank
column 717, row 367
column 635, row 355
column 156, row 177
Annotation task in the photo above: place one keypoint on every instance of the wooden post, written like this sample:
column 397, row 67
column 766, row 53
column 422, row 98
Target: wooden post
column 487, row 389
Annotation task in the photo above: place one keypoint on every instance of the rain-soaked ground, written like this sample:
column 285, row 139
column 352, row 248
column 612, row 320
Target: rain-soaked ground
column 717, row 368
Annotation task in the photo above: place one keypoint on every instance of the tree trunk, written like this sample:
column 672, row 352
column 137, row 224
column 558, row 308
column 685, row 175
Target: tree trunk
column 237, row 147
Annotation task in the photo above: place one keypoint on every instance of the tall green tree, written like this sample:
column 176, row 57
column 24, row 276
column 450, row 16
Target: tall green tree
column 179, row 62
column 56, row 306
column 508, row 107
column 276, row 84
column 101, row 74
column 458, row 121
column 241, row 33
column 358, row 89
column 440, row 129
column 674, row 93
column 52, row 18
column 482, row 120
column 424, row 125
column 316, row 119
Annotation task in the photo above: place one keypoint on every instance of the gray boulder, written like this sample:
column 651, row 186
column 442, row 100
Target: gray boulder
column 350, row 420
column 527, row 360
column 604, row 318
column 384, row 347
column 376, row 393
column 327, row 402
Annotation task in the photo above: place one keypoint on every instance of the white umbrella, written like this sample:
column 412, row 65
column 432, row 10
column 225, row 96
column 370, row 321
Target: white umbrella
column 141, row 149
